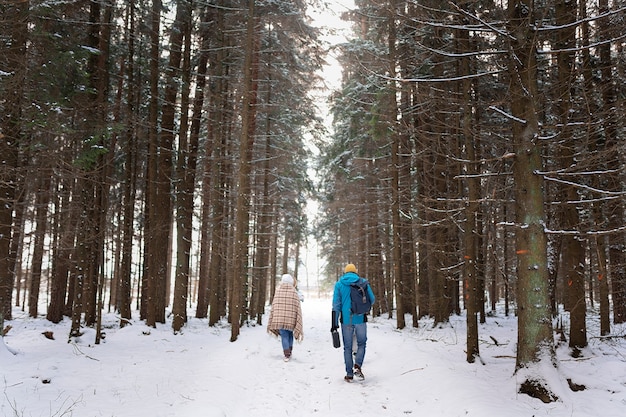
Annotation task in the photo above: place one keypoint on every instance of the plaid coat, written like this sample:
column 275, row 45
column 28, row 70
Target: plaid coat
column 286, row 312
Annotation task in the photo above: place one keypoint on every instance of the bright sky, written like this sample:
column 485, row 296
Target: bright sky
column 335, row 31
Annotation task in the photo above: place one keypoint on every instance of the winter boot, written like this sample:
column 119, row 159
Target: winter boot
column 358, row 372
column 287, row 353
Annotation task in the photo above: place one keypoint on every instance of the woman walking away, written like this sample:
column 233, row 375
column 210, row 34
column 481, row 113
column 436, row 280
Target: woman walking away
column 286, row 315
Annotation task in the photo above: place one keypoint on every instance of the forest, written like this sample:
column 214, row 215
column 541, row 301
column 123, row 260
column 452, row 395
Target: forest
column 157, row 159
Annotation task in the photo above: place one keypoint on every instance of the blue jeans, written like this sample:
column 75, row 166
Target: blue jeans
column 286, row 337
column 348, row 331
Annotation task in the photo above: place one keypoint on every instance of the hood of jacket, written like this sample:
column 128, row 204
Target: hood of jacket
column 349, row 278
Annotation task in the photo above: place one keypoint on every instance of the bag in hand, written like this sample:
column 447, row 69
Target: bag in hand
column 336, row 341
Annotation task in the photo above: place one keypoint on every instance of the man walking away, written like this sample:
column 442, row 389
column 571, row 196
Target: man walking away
column 351, row 324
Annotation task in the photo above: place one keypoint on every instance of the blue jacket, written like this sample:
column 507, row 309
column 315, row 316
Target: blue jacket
column 341, row 299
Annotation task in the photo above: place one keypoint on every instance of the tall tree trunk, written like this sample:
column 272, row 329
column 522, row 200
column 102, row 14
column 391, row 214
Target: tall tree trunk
column 41, row 219
column 218, row 170
column 573, row 253
column 408, row 262
column 14, row 63
column 375, row 261
column 240, row 255
column 130, row 169
column 264, row 232
column 471, row 231
column 397, row 247
column 440, row 285
column 217, row 268
column 160, row 172
column 125, row 272
column 401, row 268
column 202, row 304
column 100, row 37
column 130, row 174
column 615, row 208
column 61, row 252
column 186, row 169
column 535, row 341
column 80, row 270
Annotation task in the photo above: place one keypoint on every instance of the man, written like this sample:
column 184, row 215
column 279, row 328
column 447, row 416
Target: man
column 351, row 324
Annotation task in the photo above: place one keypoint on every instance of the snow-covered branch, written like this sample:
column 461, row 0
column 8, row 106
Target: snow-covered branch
column 582, row 186
column 507, row 115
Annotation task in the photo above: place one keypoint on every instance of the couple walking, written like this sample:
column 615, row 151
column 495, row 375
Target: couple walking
column 286, row 319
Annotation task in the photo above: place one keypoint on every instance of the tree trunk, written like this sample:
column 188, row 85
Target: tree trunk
column 218, row 168
column 471, row 232
column 396, row 242
column 248, row 123
column 403, row 264
column 158, row 208
column 614, row 208
column 100, row 39
column 202, row 304
column 535, row 340
column 123, row 301
column 83, row 195
column 61, row 252
column 42, row 200
column 186, row 169
column 264, row 232
column 597, row 210
column 572, row 254
column 15, row 16
column 125, row 272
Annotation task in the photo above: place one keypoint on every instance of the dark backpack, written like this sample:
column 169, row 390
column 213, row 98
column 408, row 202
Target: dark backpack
column 359, row 297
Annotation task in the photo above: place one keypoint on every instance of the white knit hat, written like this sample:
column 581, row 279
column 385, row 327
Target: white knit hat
column 287, row 279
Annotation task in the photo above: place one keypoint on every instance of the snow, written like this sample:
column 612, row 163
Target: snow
column 141, row 371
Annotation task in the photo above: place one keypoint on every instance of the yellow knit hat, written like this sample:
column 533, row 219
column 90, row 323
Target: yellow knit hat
column 350, row 268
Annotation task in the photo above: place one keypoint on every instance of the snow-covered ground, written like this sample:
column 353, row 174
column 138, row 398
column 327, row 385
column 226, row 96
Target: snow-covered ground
column 140, row 371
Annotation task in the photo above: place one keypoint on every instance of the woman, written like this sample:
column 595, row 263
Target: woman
column 286, row 315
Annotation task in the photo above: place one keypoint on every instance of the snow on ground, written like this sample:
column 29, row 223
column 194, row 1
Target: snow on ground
column 140, row 371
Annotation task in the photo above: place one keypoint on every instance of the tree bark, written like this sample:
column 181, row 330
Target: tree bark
column 535, row 340
column 615, row 208
column 158, row 210
column 80, row 270
column 264, row 224
column 240, row 255
column 186, row 169
column 573, row 253
column 199, row 100
column 61, row 252
column 471, row 232
column 16, row 16
column 42, row 200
